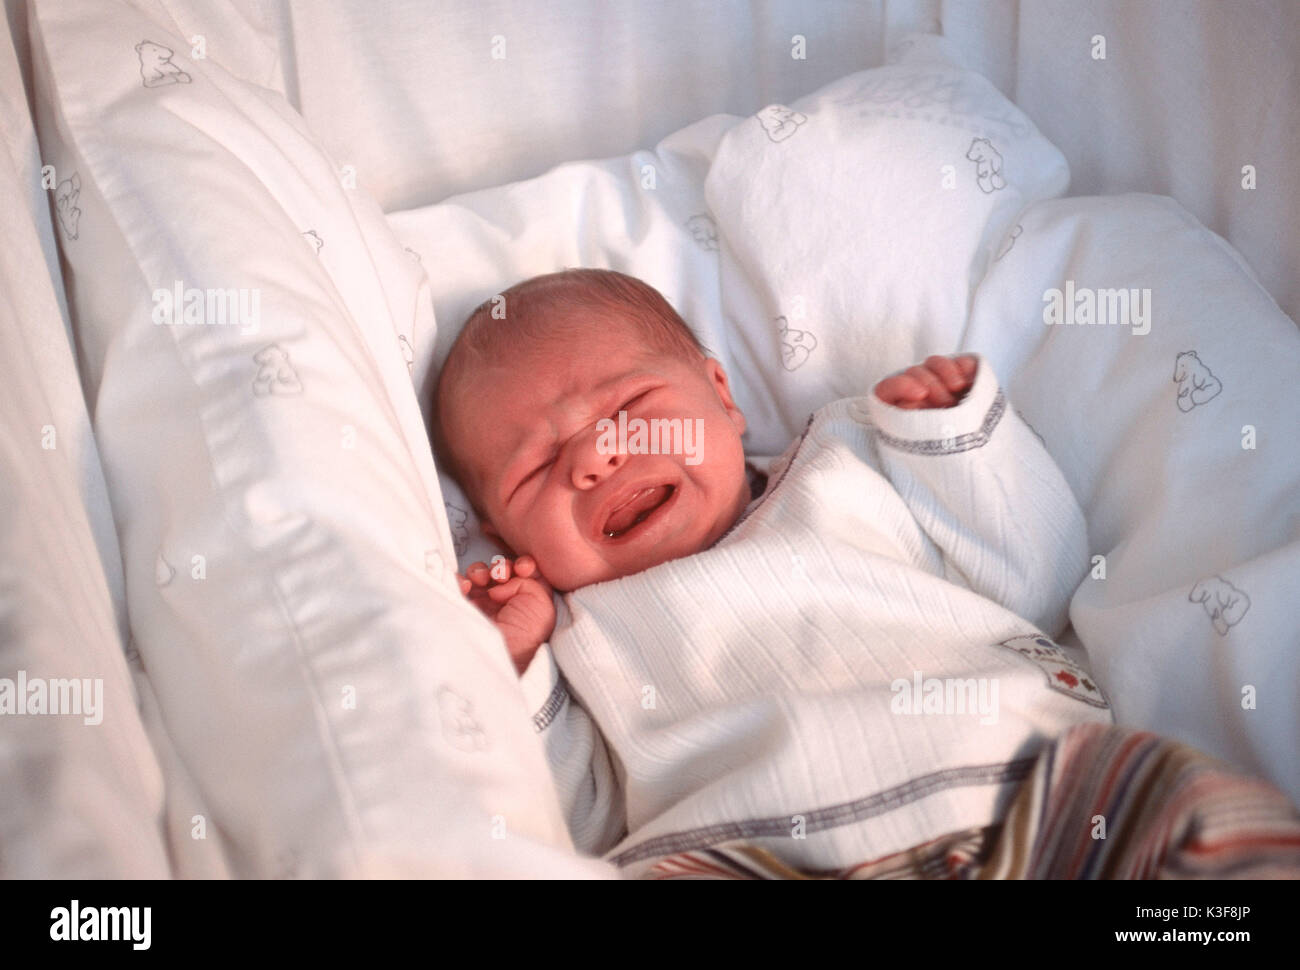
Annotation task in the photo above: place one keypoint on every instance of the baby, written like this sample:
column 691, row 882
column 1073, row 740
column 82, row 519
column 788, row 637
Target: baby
column 843, row 668
column 576, row 347
column 913, row 553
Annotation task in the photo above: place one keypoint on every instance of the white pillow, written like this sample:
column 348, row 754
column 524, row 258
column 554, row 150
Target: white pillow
column 1176, row 431
column 339, row 706
column 857, row 221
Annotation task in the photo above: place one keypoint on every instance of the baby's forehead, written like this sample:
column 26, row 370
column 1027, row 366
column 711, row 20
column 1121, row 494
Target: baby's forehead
column 579, row 348
column 504, row 399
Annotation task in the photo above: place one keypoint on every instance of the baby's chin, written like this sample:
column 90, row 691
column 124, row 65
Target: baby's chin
column 603, row 571
column 608, row 572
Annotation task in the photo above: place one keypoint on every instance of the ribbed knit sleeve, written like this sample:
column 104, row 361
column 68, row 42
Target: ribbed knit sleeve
column 580, row 763
column 985, row 490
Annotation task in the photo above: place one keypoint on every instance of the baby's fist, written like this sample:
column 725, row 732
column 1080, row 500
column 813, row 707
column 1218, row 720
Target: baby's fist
column 517, row 599
column 939, row 382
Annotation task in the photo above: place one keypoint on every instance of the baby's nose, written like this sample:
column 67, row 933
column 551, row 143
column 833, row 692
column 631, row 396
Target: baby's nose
column 594, row 462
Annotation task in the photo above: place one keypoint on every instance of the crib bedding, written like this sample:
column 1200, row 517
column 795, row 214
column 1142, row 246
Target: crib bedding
column 287, row 560
column 791, row 240
column 83, row 787
column 329, row 797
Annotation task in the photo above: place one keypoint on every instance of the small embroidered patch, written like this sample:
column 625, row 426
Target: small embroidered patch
column 1062, row 673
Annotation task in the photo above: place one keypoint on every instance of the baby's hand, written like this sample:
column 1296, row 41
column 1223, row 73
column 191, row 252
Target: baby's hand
column 940, row 382
column 517, row 600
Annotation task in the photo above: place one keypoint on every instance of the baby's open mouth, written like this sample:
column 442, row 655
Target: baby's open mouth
column 636, row 510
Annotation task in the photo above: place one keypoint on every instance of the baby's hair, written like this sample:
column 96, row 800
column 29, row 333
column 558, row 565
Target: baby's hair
column 557, row 303
column 544, row 305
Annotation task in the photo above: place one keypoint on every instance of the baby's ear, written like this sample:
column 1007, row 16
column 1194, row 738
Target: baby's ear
column 718, row 378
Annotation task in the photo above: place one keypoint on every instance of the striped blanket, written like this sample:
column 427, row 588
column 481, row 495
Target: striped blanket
column 1102, row 802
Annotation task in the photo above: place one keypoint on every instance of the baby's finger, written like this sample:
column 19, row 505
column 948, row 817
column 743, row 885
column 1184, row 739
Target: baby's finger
column 525, row 566
column 968, row 363
column 478, row 573
column 937, row 394
column 947, row 371
column 464, row 584
column 899, row 388
column 506, row 591
column 910, row 387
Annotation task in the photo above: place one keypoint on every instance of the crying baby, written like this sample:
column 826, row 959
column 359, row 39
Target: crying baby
column 613, row 446
column 581, row 356
column 847, row 664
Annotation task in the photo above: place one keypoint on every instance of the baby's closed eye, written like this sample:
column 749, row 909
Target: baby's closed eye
column 543, row 466
column 539, row 469
column 628, row 405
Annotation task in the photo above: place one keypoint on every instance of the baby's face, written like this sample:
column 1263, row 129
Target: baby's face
column 552, row 481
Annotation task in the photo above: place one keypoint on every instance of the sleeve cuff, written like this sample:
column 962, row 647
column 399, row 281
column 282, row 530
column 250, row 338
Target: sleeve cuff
column 938, row 431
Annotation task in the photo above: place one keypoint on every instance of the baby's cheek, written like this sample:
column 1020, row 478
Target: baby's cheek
column 726, row 457
column 554, row 544
column 720, row 476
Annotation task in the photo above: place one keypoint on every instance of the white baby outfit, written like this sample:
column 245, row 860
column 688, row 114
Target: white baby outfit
column 863, row 663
